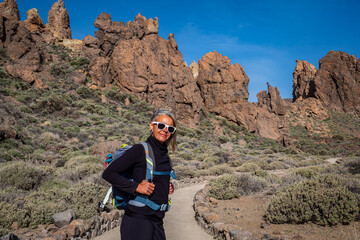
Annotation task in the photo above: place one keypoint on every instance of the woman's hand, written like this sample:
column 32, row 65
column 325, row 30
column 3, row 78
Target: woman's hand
column 145, row 187
column 171, row 188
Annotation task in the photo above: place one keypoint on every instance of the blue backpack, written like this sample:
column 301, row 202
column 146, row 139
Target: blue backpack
column 121, row 199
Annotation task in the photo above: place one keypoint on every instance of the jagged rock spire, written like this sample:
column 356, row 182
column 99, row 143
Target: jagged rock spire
column 9, row 9
column 58, row 21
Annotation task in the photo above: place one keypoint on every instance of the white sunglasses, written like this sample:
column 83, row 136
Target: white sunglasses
column 162, row 126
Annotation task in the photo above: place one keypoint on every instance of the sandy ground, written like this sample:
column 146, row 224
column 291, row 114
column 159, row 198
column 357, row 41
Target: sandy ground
column 179, row 222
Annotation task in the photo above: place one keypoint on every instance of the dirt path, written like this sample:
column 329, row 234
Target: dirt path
column 282, row 172
column 179, row 222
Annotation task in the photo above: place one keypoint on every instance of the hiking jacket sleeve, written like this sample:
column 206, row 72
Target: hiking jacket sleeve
column 132, row 161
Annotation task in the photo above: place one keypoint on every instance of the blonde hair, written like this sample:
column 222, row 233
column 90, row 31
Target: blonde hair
column 172, row 140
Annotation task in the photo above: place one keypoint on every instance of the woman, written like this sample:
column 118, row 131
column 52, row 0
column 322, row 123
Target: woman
column 144, row 223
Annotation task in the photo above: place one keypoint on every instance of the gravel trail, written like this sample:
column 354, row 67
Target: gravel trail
column 179, row 222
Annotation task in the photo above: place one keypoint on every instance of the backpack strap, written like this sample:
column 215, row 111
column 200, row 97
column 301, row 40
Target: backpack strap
column 150, row 163
column 141, row 201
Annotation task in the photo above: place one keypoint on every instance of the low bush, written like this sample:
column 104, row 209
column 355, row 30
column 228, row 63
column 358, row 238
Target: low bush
column 323, row 200
column 248, row 184
column 220, row 169
column 40, row 206
column 86, row 92
column 10, row 213
column 54, row 102
column 353, row 165
column 185, row 172
column 22, row 175
column 232, row 186
column 79, row 167
column 224, row 187
column 248, row 167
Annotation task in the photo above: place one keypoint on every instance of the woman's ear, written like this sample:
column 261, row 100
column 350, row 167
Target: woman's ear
column 151, row 127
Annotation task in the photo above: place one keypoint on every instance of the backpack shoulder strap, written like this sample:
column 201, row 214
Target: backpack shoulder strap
column 150, row 163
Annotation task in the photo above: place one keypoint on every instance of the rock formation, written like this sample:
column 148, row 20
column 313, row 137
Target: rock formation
column 303, row 80
column 136, row 59
column 144, row 64
column 9, row 10
column 221, row 83
column 336, row 83
column 58, row 21
column 34, row 18
column 21, row 48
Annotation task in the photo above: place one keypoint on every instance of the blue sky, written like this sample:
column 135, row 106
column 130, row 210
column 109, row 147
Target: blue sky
column 264, row 36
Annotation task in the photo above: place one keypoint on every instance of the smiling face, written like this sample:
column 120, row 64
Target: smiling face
column 161, row 135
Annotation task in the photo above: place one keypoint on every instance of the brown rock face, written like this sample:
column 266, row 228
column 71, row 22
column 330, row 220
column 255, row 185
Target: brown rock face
column 144, row 64
column 151, row 68
column 336, row 83
column 303, row 80
column 272, row 101
column 34, row 21
column 110, row 32
column 22, row 49
column 278, row 123
column 9, row 9
column 221, row 83
column 58, row 21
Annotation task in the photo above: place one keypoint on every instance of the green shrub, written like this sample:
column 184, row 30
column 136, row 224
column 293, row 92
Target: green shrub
column 80, row 62
column 85, row 92
column 353, row 165
column 324, row 201
column 54, row 102
column 83, row 199
column 309, row 172
column 22, row 175
column 185, row 172
column 10, row 213
column 231, row 186
column 220, row 169
column 79, row 167
column 224, row 187
column 60, row 69
column 25, row 109
column 248, row 167
column 40, row 206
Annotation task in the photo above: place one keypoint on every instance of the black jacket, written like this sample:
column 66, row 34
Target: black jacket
column 134, row 160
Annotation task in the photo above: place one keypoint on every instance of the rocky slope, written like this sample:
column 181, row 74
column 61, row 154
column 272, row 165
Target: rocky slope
column 134, row 58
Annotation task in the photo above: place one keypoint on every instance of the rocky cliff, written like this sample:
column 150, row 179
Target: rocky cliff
column 136, row 59
column 336, row 83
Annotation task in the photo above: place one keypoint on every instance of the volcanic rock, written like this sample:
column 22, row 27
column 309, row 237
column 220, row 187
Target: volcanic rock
column 337, row 82
column 110, row 32
column 272, row 101
column 34, row 18
column 148, row 66
column 99, row 71
column 58, row 21
column 9, row 10
column 303, row 80
column 221, row 83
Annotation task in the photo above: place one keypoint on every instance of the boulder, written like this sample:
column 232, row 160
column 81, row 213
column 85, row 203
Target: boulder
column 63, row 218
